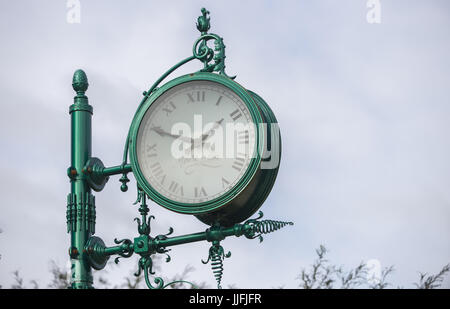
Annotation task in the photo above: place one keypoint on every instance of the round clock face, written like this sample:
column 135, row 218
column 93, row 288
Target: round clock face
column 195, row 142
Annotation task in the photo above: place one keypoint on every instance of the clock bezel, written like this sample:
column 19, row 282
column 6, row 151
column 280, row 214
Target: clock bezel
column 242, row 183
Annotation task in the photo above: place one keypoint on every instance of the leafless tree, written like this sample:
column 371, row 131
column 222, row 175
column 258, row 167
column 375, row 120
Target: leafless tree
column 432, row 281
column 321, row 275
column 60, row 278
column 324, row 275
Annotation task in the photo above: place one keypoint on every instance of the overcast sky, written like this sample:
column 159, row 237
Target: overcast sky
column 364, row 112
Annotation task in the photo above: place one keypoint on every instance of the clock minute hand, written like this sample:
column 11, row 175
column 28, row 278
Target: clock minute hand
column 215, row 126
column 203, row 137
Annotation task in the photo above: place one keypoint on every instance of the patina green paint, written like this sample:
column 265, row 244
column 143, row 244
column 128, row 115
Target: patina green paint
column 86, row 173
column 81, row 203
column 253, row 167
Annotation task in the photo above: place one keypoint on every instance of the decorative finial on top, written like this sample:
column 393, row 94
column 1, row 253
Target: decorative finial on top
column 80, row 82
column 205, row 53
column 203, row 22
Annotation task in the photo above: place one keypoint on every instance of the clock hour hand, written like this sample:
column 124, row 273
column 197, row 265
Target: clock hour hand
column 203, row 137
column 161, row 132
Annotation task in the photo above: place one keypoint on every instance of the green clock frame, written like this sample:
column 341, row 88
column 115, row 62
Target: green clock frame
column 237, row 199
column 253, row 196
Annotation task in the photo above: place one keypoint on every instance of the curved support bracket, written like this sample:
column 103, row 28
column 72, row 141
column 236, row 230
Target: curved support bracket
column 145, row 264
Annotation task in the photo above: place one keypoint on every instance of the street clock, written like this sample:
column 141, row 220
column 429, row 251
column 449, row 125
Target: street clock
column 198, row 146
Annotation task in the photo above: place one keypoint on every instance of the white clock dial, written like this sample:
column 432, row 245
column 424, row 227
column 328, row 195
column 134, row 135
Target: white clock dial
column 195, row 142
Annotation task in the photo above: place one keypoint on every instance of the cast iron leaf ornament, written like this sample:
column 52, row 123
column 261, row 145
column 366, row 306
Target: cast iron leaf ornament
column 203, row 24
column 144, row 224
column 124, row 254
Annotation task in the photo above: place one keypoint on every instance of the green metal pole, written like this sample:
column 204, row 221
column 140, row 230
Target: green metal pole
column 80, row 202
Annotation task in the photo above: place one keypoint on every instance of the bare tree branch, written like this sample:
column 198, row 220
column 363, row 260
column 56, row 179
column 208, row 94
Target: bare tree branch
column 60, row 279
column 18, row 281
column 432, row 281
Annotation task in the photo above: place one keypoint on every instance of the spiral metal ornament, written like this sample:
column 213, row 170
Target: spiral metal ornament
column 216, row 256
column 258, row 228
column 213, row 59
column 162, row 249
column 202, row 52
column 145, row 264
